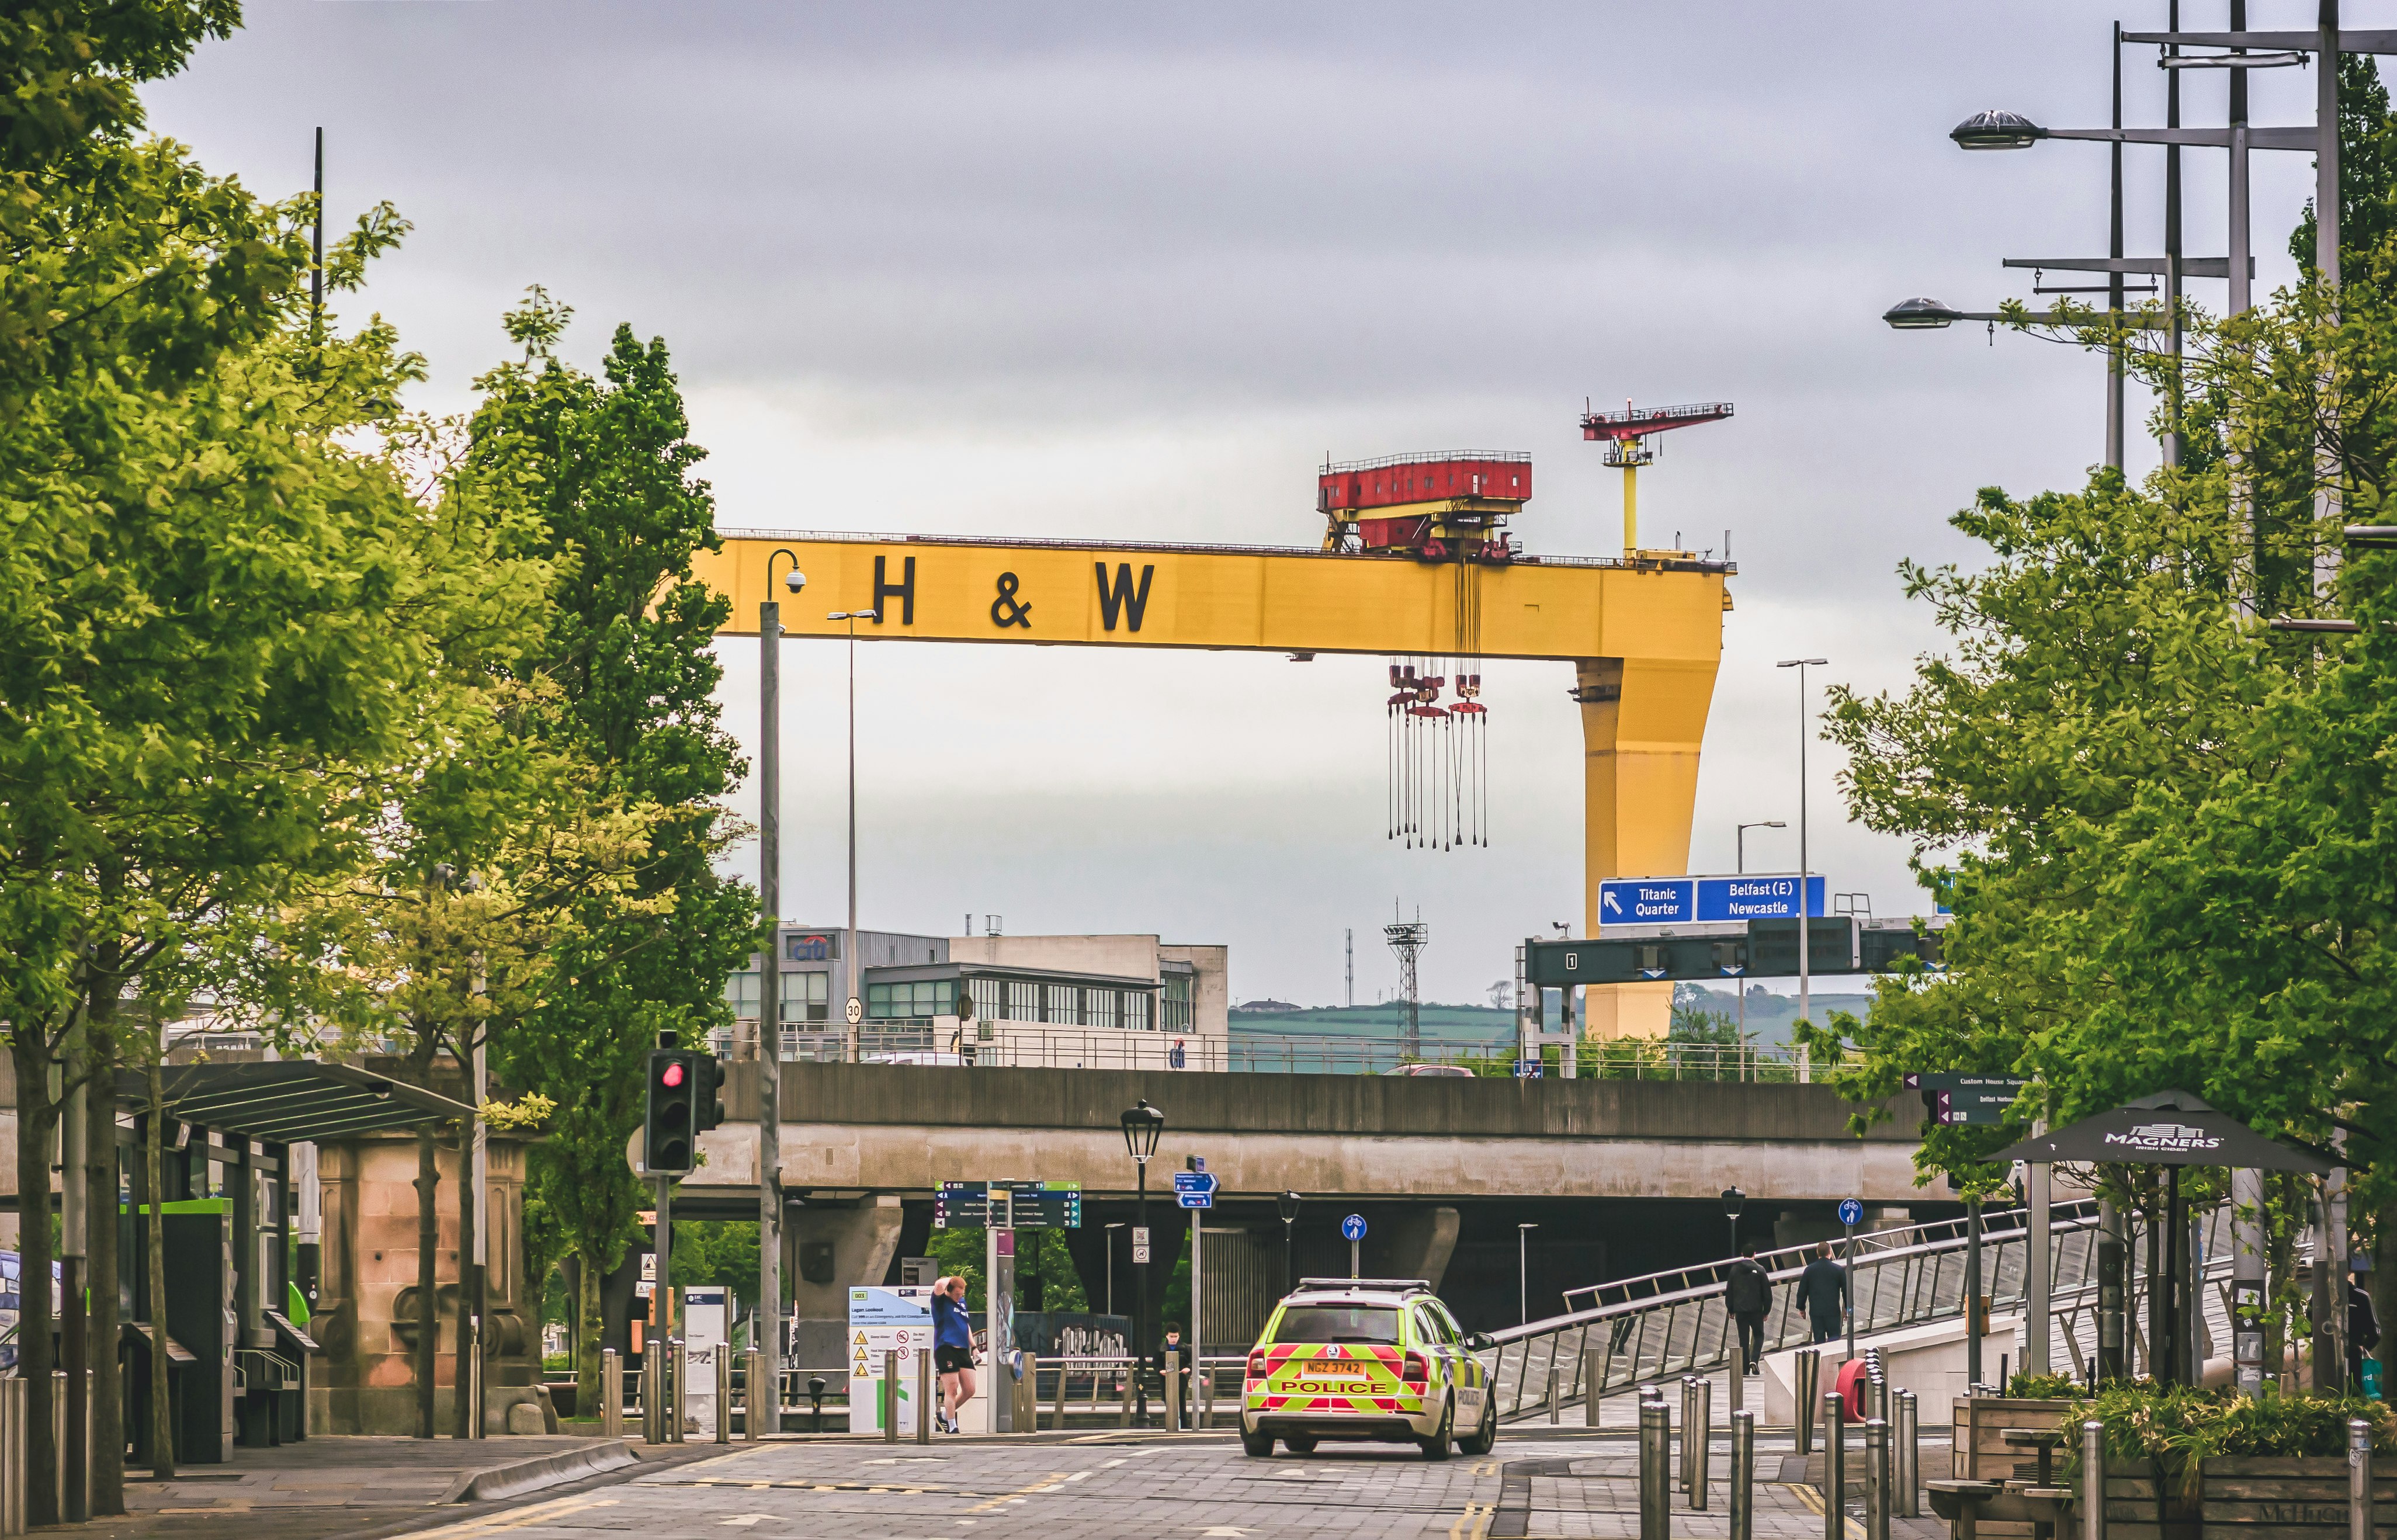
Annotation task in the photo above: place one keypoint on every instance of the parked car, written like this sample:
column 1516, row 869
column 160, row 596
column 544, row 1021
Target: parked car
column 1457, row 1070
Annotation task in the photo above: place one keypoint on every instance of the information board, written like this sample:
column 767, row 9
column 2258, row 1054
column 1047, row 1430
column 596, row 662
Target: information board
column 882, row 1322
column 1007, row 1205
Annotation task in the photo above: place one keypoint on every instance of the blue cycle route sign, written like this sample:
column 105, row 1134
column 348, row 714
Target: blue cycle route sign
column 1353, row 1228
column 1852, row 1211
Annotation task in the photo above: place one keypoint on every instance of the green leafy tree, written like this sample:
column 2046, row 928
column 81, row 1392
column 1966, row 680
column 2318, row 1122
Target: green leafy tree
column 603, row 465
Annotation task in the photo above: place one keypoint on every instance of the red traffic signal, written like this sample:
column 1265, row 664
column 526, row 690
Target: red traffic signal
column 672, row 1075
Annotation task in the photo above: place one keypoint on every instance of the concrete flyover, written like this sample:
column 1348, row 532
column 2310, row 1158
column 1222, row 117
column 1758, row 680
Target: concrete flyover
column 1615, row 1178
column 904, row 1128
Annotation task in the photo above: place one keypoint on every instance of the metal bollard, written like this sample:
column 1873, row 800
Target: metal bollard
column 1809, row 1365
column 1593, row 1376
column 1700, row 1437
column 891, row 1396
column 1910, row 1456
column 722, row 1354
column 1689, row 1420
column 1743, row 1474
column 1876, row 1479
column 1655, row 1459
column 1556, row 1408
column 652, row 1397
column 926, row 1387
column 678, row 1363
column 2358, row 1480
column 1059, row 1422
column 610, row 1392
column 2093, row 1481
column 1125, row 1420
column 1172, row 1392
column 752, row 1417
column 1835, row 1469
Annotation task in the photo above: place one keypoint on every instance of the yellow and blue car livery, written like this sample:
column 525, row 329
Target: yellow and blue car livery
column 1365, row 1359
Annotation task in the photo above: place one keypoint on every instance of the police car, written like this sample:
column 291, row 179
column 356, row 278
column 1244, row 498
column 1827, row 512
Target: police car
column 1365, row 1359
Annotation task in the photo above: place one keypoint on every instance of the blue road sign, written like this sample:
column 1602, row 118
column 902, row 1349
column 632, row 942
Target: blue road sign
column 1194, row 1189
column 1852, row 1210
column 1647, row 901
column 1527, row 1069
column 1730, row 898
column 1353, row 1228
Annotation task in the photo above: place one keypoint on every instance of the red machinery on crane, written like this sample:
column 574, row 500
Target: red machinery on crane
column 1627, row 434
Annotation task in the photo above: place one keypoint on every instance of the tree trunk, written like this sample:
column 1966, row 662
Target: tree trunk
column 2384, row 1290
column 428, row 1308
column 100, row 1209
column 162, row 1421
column 462, row 1393
column 37, row 1116
column 588, row 1338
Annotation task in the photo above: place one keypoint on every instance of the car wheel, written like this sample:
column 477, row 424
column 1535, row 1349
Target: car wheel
column 1437, row 1446
column 1257, row 1445
column 1299, row 1443
column 1483, row 1437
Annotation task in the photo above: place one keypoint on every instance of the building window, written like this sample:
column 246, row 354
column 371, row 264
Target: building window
column 1101, row 1006
column 1177, row 1002
column 914, row 1000
column 1135, row 1010
column 1023, row 1001
column 987, row 995
column 1065, row 1005
column 744, row 992
column 807, row 997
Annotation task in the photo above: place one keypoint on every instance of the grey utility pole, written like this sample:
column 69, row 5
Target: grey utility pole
column 1805, row 872
column 767, row 1337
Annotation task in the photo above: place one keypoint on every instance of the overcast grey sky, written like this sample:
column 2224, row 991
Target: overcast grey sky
column 1133, row 270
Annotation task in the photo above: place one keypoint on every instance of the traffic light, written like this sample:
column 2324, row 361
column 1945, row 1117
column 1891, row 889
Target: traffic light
column 707, row 1091
column 670, row 1119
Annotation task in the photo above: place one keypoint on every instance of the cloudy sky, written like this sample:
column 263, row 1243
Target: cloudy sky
column 1132, row 270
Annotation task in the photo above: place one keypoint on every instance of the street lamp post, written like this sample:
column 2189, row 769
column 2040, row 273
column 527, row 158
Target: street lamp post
column 855, row 976
column 767, row 1337
column 1805, row 872
column 1288, row 1204
column 1739, row 842
column 1142, row 1126
column 1523, row 1273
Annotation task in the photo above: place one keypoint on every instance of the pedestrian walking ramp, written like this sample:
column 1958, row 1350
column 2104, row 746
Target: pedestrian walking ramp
column 1634, row 1332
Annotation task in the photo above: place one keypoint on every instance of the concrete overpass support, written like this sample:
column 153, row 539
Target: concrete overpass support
column 832, row 1246
column 1422, row 1243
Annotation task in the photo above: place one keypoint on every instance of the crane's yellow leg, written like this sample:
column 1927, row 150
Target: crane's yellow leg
column 1642, row 723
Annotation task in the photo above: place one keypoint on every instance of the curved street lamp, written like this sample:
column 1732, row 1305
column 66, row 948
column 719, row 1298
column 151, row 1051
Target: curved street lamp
column 1142, row 1126
column 1921, row 313
column 1288, row 1205
column 1997, row 129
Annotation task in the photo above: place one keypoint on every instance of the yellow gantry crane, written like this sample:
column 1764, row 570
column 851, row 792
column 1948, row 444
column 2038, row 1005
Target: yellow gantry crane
column 1644, row 634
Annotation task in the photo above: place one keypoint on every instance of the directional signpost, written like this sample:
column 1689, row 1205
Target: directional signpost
column 1353, row 1228
column 1008, row 1206
column 1194, row 1189
column 1967, row 1099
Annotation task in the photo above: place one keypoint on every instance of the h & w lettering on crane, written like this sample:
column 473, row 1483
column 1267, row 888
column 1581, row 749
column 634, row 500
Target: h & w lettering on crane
column 903, row 591
column 1123, row 598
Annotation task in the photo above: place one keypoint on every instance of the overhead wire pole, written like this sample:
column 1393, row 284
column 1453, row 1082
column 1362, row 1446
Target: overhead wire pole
column 2173, row 406
column 766, row 1341
column 1805, row 872
column 2327, row 261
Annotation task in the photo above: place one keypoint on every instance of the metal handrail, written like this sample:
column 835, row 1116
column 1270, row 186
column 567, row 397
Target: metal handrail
column 1688, row 1331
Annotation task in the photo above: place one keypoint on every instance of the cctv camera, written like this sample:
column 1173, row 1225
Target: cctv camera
column 795, row 580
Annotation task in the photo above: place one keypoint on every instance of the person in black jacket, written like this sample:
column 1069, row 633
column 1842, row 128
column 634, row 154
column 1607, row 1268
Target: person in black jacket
column 1747, row 1290
column 1823, row 1294
column 2363, row 1328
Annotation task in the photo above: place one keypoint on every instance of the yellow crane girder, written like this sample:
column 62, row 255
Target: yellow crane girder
column 1644, row 635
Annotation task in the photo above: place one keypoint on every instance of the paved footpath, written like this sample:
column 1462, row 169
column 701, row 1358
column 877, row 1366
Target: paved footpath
column 1153, row 1486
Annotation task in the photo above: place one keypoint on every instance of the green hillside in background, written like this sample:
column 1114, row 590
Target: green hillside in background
column 1769, row 1017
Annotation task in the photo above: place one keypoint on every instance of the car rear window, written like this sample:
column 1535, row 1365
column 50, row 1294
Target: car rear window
column 1361, row 1323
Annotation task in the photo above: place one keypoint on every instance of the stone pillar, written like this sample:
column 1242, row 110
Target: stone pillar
column 830, row 1250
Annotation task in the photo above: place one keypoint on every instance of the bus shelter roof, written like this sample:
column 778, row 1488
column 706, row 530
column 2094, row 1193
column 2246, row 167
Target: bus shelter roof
column 293, row 1101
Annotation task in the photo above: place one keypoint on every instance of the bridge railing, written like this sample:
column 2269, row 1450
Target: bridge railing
column 1899, row 1282
column 944, row 1042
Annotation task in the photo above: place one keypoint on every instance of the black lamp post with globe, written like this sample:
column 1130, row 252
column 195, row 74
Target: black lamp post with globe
column 1142, row 1126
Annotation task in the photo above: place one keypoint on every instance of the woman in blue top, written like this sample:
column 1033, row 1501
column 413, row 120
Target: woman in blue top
column 952, row 1347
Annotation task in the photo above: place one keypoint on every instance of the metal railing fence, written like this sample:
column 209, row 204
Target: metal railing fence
column 1899, row 1282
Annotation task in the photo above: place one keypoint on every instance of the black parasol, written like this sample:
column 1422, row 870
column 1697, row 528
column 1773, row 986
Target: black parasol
column 2172, row 1128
